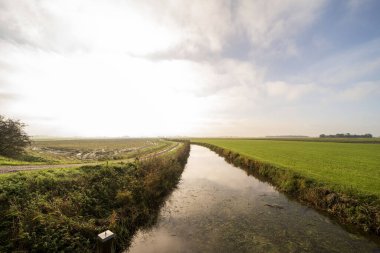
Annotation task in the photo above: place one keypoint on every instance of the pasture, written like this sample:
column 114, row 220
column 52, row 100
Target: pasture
column 348, row 167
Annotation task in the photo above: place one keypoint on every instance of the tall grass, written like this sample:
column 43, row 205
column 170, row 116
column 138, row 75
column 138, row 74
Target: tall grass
column 64, row 210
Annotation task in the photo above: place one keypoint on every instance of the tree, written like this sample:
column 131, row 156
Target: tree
column 13, row 139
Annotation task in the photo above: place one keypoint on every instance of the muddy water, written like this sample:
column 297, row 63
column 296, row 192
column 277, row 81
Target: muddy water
column 218, row 208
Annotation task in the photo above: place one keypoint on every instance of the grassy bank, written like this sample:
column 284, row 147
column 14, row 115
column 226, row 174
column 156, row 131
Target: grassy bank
column 301, row 175
column 64, row 210
column 11, row 161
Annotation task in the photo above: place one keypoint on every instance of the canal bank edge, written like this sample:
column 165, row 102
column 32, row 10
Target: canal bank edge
column 362, row 212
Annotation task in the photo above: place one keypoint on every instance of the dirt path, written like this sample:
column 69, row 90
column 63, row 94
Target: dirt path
column 161, row 152
column 16, row 168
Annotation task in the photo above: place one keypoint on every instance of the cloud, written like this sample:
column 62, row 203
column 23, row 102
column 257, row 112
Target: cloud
column 156, row 67
column 227, row 76
column 208, row 29
column 68, row 26
column 344, row 67
column 28, row 23
column 360, row 91
column 5, row 97
column 272, row 22
column 289, row 92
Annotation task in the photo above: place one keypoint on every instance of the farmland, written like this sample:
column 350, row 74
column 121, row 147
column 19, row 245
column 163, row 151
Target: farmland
column 86, row 151
column 64, row 208
column 342, row 166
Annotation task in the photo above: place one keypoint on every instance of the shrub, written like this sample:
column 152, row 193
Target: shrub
column 13, row 139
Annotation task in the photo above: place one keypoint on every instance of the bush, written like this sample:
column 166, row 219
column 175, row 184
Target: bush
column 13, row 139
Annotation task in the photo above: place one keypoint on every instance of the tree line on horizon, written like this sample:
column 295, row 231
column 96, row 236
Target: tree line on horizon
column 347, row 135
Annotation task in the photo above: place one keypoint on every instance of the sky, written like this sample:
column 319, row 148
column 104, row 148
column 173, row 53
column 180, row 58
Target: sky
column 110, row 68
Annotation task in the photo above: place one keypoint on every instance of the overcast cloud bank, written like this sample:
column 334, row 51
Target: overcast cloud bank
column 217, row 68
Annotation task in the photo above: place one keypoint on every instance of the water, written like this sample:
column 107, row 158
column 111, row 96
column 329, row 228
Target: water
column 218, row 208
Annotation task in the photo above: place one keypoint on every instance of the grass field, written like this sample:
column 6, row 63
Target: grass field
column 343, row 166
column 85, row 150
column 375, row 140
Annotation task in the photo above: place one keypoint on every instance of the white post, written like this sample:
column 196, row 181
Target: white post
column 106, row 242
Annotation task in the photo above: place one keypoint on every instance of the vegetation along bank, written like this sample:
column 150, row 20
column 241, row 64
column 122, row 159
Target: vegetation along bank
column 64, row 209
column 319, row 182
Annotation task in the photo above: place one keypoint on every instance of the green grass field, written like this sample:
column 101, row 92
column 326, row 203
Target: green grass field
column 343, row 166
column 374, row 140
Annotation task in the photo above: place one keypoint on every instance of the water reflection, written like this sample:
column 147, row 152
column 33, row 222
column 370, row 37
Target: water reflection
column 218, row 208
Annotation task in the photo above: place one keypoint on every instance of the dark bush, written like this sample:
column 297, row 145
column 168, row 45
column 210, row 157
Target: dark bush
column 13, row 139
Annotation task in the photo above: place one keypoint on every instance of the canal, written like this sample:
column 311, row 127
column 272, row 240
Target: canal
column 217, row 207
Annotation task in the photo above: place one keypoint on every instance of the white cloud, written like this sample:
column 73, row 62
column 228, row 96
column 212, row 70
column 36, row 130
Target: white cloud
column 271, row 22
column 99, row 67
column 209, row 27
column 344, row 68
column 289, row 92
column 147, row 27
column 360, row 91
column 67, row 26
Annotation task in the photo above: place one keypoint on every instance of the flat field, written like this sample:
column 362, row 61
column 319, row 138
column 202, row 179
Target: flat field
column 86, row 150
column 89, row 150
column 343, row 166
column 374, row 140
